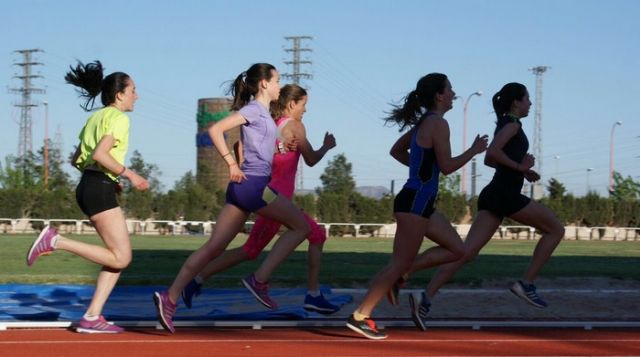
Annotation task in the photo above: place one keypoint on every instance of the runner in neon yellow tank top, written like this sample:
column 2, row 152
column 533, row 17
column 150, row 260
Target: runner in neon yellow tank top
column 100, row 156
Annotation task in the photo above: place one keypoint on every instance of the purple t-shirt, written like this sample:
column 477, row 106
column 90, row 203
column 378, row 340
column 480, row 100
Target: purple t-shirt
column 258, row 139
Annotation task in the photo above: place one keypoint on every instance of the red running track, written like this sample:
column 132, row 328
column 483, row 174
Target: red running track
column 307, row 342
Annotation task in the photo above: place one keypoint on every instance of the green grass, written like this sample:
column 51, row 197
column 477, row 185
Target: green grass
column 347, row 262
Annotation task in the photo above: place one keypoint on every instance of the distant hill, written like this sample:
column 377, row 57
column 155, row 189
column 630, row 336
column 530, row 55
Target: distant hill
column 372, row 191
column 368, row 191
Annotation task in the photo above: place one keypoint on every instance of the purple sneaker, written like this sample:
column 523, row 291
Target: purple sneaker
column 260, row 291
column 42, row 245
column 97, row 326
column 166, row 310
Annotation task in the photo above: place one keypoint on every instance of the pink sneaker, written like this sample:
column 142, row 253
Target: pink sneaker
column 42, row 245
column 97, row 326
column 166, row 309
column 260, row 291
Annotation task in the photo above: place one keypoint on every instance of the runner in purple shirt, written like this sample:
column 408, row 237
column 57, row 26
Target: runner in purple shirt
column 247, row 192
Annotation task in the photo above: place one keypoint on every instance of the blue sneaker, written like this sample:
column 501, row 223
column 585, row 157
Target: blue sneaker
column 319, row 304
column 528, row 293
column 419, row 310
column 192, row 289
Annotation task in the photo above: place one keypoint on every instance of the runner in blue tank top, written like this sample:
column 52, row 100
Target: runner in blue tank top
column 427, row 151
column 502, row 198
column 421, row 189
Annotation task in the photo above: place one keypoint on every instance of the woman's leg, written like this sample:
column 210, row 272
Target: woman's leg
column 449, row 245
column 314, row 256
column 410, row 231
column 482, row 229
column 112, row 228
column 226, row 260
column 543, row 219
column 229, row 222
column 284, row 211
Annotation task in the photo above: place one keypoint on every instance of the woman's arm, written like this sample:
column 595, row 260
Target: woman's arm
column 496, row 155
column 400, row 149
column 297, row 132
column 101, row 154
column 442, row 148
column 216, row 132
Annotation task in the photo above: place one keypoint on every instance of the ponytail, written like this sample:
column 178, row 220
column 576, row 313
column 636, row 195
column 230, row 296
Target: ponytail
column 246, row 84
column 418, row 101
column 90, row 82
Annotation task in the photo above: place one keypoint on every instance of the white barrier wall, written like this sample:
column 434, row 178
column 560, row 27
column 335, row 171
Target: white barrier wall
column 151, row 227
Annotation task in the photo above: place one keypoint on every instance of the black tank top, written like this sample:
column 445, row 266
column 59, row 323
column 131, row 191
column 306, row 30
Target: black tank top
column 516, row 148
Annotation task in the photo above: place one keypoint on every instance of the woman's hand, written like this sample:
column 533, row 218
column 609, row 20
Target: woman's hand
column 531, row 176
column 329, row 141
column 527, row 163
column 235, row 174
column 480, row 143
column 138, row 182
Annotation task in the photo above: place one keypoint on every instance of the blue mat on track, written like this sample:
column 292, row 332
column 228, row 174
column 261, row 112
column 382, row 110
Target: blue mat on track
column 20, row 302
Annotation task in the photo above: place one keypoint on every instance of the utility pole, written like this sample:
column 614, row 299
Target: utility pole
column 536, row 188
column 296, row 49
column 24, row 139
column 46, row 144
column 474, row 175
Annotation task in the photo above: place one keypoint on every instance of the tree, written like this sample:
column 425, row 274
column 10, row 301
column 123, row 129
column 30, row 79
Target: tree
column 556, row 189
column 139, row 204
column 625, row 189
column 333, row 203
column 188, row 200
column 337, row 177
column 307, row 203
column 596, row 210
column 450, row 202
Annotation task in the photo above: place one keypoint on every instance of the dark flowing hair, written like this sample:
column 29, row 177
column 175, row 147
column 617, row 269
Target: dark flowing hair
column 90, row 82
column 505, row 97
column 417, row 101
column 247, row 83
column 288, row 93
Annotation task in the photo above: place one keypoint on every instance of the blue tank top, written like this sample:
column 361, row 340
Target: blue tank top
column 424, row 172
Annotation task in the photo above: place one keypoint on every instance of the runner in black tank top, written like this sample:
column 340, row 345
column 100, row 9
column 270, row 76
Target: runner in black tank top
column 502, row 195
column 502, row 198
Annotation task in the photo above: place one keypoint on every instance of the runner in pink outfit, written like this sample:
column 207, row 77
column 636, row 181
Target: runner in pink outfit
column 289, row 109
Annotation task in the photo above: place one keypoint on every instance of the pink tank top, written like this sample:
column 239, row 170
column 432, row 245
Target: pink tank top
column 284, row 165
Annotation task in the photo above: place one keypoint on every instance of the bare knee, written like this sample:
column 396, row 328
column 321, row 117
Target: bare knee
column 122, row 261
column 469, row 256
column 303, row 228
column 458, row 251
column 557, row 231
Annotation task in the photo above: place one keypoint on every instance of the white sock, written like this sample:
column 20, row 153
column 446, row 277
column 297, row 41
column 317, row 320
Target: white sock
column 314, row 293
column 90, row 317
column 54, row 241
column 198, row 279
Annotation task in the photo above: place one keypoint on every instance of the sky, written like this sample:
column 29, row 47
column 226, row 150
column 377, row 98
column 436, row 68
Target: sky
column 366, row 55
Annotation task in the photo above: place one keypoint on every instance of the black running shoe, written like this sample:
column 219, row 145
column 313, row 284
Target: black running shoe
column 419, row 310
column 366, row 328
